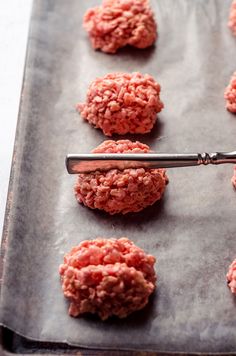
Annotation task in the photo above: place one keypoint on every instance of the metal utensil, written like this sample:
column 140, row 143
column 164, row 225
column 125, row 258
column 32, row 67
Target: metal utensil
column 87, row 163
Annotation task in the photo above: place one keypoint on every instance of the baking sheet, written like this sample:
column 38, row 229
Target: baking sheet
column 191, row 231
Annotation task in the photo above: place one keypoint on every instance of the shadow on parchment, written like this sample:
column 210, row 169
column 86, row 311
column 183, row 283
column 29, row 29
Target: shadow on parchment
column 137, row 54
column 145, row 216
column 132, row 54
column 148, row 138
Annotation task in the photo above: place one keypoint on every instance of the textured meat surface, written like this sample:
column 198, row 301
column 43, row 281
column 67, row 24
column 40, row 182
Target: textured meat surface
column 230, row 95
column 107, row 277
column 122, row 103
column 231, row 277
column 130, row 190
column 232, row 17
column 117, row 23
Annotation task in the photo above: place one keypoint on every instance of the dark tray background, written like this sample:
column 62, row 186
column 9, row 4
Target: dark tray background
column 12, row 344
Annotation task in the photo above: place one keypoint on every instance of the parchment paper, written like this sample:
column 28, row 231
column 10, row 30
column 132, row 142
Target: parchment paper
column 191, row 231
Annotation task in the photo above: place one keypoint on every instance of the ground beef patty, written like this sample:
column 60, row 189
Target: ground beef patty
column 107, row 277
column 232, row 17
column 118, row 23
column 230, row 95
column 116, row 191
column 122, row 103
column 231, row 277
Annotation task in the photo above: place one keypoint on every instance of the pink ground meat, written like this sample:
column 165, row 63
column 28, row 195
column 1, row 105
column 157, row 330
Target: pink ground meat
column 234, row 178
column 230, row 95
column 130, row 190
column 231, row 277
column 232, row 17
column 118, row 23
column 107, row 277
column 122, row 103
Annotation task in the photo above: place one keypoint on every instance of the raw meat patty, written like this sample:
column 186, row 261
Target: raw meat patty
column 234, row 178
column 232, row 17
column 231, row 277
column 230, row 94
column 107, row 277
column 116, row 191
column 122, row 103
column 117, row 23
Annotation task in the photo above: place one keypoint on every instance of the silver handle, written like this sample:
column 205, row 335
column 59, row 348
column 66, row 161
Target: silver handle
column 87, row 163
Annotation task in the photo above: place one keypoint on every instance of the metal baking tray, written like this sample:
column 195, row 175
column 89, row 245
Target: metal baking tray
column 191, row 231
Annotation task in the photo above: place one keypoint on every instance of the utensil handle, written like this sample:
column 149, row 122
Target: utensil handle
column 87, row 163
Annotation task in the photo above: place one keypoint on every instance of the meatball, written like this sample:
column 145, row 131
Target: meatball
column 107, row 277
column 234, row 178
column 232, row 18
column 122, row 103
column 117, row 23
column 130, row 190
column 230, row 95
column 231, row 277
